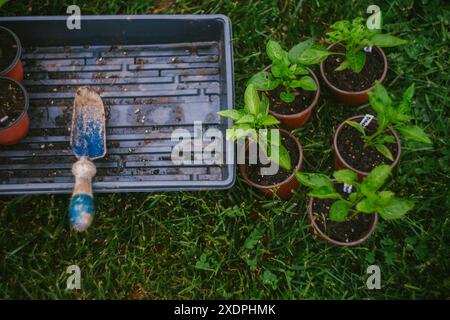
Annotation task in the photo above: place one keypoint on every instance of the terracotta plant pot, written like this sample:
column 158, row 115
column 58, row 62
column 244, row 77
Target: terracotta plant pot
column 297, row 120
column 348, row 97
column 339, row 161
column 315, row 230
column 17, row 130
column 283, row 189
column 12, row 69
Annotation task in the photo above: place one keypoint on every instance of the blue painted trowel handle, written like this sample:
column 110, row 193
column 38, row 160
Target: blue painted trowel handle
column 81, row 210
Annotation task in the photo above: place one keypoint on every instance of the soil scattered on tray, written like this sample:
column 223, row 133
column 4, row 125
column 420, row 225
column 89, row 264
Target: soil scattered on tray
column 354, row 229
column 254, row 170
column 8, row 49
column 12, row 103
column 351, row 148
column 348, row 80
column 303, row 100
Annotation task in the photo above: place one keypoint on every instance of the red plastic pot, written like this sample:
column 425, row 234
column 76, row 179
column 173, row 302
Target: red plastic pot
column 348, row 97
column 19, row 128
column 297, row 120
column 340, row 163
column 15, row 69
column 315, row 230
column 283, row 189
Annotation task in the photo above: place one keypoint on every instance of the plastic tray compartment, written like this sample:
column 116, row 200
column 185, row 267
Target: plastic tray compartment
column 155, row 74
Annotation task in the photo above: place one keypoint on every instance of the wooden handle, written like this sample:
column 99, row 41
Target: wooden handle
column 81, row 210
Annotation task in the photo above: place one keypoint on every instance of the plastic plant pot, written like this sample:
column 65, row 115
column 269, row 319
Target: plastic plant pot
column 18, row 129
column 12, row 67
column 316, row 231
column 350, row 98
column 339, row 161
column 297, row 120
column 283, row 189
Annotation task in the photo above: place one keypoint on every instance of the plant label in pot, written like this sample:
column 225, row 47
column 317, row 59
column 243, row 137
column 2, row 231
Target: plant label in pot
column 14, row 121
column 10, row 51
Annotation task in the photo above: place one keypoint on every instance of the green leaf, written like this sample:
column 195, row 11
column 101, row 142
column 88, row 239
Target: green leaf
column 343, row 66
column 384, row 151
column 376, row 178
column 3, row 2
column 395, row 208
column 264, row 81
column 339, row 210
column 306, row 83
column 387, row 138
column 345, row 176
column 356, row 60
column 366, row 206
column 270, row 279
column 384, row 197
column 386, row 40
column 353, row 197
column 268, row 120
column 357, row 126
column 299, row 70
column 251, row 99
column 280, row 156
column 287, row 97
column 254, row 237
column 296, row 51
column 248, row 118
column 405, row 104
column 264, row 106
column 324, row 193
column 233, row 114
column 379, row 99
column 415, row 133
column 274, row 51
column 341, row 25
column 202, row 264
column 280, row 70
column 314, row 180
column 313, row 56
column 239, row 131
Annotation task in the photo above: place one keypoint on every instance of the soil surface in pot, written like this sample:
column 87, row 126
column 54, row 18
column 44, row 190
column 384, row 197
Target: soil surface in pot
column 351, row 148
column 303, row 100
column 348, row 80
column 352, row 230
column 8, row 49
column 12, row 103
column 254, row 170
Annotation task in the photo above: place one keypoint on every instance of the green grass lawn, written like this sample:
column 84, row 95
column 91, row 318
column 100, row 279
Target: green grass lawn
column 236, row 244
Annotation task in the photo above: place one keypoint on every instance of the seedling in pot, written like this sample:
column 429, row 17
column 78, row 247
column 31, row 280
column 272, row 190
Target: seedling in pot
column 286, row 71
column 354, row 36
column 367, row 197
column 253, row 117
column 393, row 116
column 348, row 216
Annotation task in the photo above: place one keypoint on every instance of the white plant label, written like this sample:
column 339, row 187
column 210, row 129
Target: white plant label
column 347, row 188
column 366, row 120
column 368, row 49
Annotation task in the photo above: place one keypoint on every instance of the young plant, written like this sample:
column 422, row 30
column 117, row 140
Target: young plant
column 286, row 71
column 367, row 196
column 355, row 36
column 253, row 117
column 390, row 115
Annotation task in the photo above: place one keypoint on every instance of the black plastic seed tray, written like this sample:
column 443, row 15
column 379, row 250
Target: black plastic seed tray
column 155, row 74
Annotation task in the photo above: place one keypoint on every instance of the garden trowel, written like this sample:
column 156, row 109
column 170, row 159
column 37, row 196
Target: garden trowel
column 88, row 142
